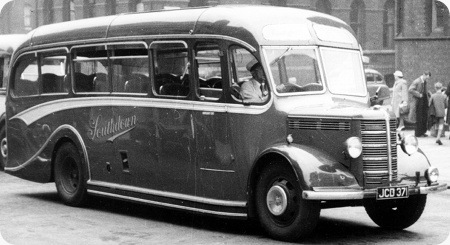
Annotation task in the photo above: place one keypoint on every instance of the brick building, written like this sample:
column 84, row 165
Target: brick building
column 412, row 36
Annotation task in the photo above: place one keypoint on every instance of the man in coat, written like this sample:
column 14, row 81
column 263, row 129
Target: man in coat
column 418, row 110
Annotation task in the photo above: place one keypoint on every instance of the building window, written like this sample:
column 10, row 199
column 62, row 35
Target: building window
column 440, row 18
column 136, row 6
column 400, row 16
column 27, row 17
column 323, row 6
column 48, row 12
column 111, row 7
column 88, row 8
column 68, row 10
column 436, row 20
column 197, row 3
column 388, row 24
column 278, row 2
column 72, row 10
column 357, row 19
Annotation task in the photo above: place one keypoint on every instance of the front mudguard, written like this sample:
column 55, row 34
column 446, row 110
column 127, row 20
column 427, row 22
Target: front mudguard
column 316, row 168
column 411, row 168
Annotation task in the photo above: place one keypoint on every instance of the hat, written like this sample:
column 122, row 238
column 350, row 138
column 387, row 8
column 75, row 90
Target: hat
column 252, row 64
column 438, row 85
column 398, row 74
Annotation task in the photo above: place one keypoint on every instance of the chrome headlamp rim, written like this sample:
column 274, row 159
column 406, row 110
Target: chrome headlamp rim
column 409, row 144
column 353, row 147
column 432, row 175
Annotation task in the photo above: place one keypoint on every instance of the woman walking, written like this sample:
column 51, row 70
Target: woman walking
column 399, row 98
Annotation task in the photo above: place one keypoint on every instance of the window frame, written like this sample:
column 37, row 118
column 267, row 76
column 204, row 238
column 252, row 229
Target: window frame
column 37, row 55
column 111, row 65
column 153, row 74
column 73, row 60
column 223, row 70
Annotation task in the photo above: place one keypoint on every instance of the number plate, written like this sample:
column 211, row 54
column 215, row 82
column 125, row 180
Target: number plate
column 392, row 192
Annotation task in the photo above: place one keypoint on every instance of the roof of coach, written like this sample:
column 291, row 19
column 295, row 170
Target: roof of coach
column 244, row 22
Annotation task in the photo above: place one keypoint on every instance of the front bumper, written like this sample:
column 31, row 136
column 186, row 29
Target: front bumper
column 325, row 193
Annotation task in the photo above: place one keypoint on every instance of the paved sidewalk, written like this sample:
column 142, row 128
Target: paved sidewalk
column 438, row 155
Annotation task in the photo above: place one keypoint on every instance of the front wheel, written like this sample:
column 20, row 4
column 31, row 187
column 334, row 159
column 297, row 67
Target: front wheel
column 69, row 175
column 282, row 212
column 396, row 214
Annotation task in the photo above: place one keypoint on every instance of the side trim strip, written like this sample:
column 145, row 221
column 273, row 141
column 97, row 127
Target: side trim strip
column 243, row 215
column 168, row 194
column 37, row 112
column 217, row 170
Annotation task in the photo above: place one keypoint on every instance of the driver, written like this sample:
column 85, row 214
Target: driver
column 254, row 89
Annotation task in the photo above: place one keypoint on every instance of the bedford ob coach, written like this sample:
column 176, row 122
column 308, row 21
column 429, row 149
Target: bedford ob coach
column 8, row 43
column 150, row 108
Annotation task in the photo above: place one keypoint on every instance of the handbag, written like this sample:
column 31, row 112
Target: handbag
column 404, row 108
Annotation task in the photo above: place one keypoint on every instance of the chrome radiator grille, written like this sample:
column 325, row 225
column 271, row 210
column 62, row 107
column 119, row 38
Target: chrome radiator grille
column 318, row 124
column 376, row 151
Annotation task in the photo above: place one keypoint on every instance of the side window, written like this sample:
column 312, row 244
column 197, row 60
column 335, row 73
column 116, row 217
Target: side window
column 53, row 72
column 369, row 77
column 25, row 76
column 378, row 78
column 247, row 87
column 208, row 66
column 130, row 65
column 90, row 69
column 3, row 70
column 171, row 69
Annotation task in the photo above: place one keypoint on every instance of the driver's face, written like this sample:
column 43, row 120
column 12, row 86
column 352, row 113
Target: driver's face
column 259, row 74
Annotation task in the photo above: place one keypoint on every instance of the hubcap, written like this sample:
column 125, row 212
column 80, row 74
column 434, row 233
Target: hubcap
column 4, row 148
column 276, row 200
column 70, row 175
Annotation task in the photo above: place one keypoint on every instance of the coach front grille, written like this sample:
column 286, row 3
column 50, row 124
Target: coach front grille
column 379, row 152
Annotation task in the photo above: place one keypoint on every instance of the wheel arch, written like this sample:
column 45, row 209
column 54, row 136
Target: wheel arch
column 3, row 120
column 312, row 167
column 67, row 134
column 2, row 130
column 263, row 161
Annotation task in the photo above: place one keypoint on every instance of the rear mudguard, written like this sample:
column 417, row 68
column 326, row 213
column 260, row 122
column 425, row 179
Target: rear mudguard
column 314, row 167
column 39, row 167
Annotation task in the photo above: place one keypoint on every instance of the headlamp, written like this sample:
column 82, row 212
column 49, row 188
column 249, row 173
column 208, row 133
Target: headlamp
column 353, row 147
column 432, row 175
column 409, row 144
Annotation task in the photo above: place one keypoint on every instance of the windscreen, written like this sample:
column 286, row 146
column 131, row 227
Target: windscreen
column 343, row 71
column 294, row 69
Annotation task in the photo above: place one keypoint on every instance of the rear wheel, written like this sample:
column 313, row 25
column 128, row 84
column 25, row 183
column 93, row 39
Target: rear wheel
column 396, row 214
column 282, row 212
column 69, row 175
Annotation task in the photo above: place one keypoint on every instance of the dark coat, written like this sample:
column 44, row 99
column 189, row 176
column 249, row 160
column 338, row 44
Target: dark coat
column 447, row 92
column 415, row 90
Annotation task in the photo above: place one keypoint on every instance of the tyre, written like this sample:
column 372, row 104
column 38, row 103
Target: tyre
column 396, row 214
column 281, row 211
column 3, row 148
column 69, row 175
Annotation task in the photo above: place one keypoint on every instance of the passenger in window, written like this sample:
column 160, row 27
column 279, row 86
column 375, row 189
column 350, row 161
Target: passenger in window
column 254, row 89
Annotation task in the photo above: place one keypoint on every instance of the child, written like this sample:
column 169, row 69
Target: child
column 438, row 103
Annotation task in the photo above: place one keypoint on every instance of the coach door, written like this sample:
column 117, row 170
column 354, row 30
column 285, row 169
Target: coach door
column 215, row 168
column 175, row 170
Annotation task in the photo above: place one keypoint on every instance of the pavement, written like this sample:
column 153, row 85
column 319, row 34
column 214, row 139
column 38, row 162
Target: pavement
column 438, row 155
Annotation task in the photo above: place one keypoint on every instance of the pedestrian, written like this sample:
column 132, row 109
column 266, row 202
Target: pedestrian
column 437, row 105
column 399, row 99
column 447, row 92
column 418, row 106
